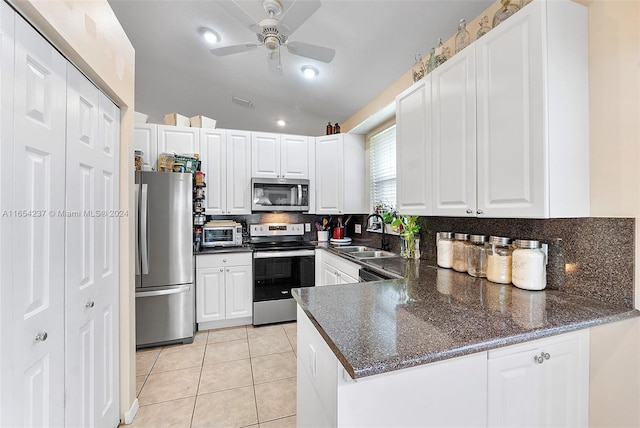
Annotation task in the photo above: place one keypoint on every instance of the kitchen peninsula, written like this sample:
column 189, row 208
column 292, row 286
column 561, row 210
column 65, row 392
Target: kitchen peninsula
column 441, row 348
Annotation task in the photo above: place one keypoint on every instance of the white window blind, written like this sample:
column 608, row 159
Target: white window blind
column 383, row 167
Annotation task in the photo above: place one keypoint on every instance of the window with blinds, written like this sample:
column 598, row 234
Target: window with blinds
column 383, row 167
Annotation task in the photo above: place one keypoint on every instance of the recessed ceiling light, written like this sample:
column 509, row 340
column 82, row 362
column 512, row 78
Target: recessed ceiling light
column 210, row 36
column 309, row 71
column 281, row 122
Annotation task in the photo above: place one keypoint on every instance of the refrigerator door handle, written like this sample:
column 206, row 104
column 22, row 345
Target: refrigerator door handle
column 165, row 292
column 144, row 238
column 137, row 205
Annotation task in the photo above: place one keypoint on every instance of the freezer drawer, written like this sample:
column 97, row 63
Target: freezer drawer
column 165, row 315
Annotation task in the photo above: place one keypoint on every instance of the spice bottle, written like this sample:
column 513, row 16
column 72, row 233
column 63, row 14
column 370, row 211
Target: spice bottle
column 477, row 256
column 528, row 264
column 499, row 260
column 460, row 243
column 329, row 129
column 336, row 128
column 444, row 250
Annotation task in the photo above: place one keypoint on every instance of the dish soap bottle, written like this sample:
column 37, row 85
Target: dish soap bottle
column 462, row 36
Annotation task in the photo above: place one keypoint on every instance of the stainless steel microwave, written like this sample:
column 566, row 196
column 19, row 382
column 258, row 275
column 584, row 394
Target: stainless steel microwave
column 279, row 194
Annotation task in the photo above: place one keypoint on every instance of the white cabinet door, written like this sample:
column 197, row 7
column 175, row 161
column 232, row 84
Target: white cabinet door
column 294, row 156
column 265, row 159
column 511, row 127
column 178, row 139
column 413, row 149
column 345, row 278
column 329, row 174
column 329, row 275
column 544, row 383
column 210, row 294
column 454, row 136
column 91, row 240
column 238, row 288
column 146, row 139
column 238, row 172
column 37, row 303
column 213, row 153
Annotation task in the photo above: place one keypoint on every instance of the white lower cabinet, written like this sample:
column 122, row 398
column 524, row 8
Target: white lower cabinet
column 332, row 269
column 542, row 383
column 224, row 284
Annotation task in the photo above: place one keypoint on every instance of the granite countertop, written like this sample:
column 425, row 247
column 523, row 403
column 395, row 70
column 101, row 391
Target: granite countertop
column 434, row 314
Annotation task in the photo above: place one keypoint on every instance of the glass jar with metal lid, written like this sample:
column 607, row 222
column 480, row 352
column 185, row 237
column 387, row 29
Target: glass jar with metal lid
column 444, row 249
column 460, row 244
column 477, row 256
column 528, row 265
column 499, row 260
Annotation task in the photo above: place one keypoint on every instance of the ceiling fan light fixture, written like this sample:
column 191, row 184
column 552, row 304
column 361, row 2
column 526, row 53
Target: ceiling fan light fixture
column 309, row 71
column 210, row 36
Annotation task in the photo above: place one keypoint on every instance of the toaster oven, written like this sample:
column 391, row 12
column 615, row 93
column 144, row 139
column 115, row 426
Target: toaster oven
column 222, row 234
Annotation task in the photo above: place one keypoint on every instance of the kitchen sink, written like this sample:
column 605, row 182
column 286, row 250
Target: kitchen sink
column 376, row 254
column 355, row 249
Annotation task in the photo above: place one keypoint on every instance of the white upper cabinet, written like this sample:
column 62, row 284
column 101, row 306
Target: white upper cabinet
column 532, row 86
column 340, row 175
column 510, row 119
column 413, row 149
column 178, row 139
column 146, row 140
column 279, row 156
column 454, row 135
column 226, row 162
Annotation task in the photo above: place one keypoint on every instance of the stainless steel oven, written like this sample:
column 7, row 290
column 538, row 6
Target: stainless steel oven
column 281, row 261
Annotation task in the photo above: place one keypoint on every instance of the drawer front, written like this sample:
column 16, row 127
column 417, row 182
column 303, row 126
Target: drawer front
column 223, row 259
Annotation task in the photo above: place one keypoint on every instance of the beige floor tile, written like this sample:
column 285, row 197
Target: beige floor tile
column 139, row 382
column 175, row 413
column 231, row 408
column 264, row 330
column 276, row 399
column 226, row 351
column 222, row 376
column 180, row 357
column 293, row 340
column 289, row 422
column 268, row 368
column 145, row 361
column 171, row 385
column 227, row 334
column 269, row 344
column 290, row 328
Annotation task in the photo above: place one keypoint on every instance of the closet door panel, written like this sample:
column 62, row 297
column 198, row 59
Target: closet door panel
column 38, row 249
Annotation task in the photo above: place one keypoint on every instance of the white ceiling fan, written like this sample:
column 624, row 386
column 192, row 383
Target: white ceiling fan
column 274, row 32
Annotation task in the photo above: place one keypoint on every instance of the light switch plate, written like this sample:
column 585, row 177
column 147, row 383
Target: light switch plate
column 307, row 227
column 358, row 228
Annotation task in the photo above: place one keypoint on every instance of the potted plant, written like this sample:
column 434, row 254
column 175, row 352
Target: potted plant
column 409, row 231
column 387, row 213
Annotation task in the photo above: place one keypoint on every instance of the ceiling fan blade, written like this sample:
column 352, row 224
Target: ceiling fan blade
column 234, row 9
column 307, row 50
column 233, row 49
column 296, row 15
column 274, row 62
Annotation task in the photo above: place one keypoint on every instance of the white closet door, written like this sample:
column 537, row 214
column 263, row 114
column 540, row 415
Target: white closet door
column 38, row 244
column 91, row 255
column 6, row 230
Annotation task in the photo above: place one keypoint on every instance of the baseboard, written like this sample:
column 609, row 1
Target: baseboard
column 225, row 323
column 131, row 413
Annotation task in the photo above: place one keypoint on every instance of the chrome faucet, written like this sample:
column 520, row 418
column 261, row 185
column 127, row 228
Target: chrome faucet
column 383, row 243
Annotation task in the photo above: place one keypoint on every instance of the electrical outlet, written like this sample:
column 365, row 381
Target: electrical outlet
column 358, row 228
column 307, row 227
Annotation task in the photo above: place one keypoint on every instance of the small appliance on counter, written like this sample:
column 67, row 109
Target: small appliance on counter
column 222, row 233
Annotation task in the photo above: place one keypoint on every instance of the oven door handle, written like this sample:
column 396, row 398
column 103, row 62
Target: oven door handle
column 278, row 254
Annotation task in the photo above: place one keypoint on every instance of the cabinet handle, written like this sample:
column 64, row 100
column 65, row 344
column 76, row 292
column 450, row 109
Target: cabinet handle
column 539, row 359
column 479, row 211
column 228, row 270
column 221, row 270
column 41, row 337
column 224, row 260
column 89, row 304
column 469, row 211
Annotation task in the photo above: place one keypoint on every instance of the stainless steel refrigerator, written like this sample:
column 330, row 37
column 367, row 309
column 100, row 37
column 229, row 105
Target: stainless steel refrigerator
column 164, row 258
